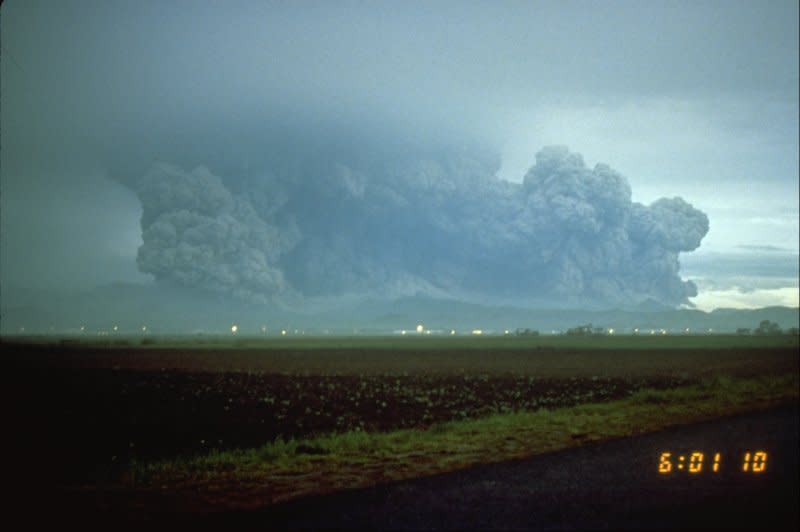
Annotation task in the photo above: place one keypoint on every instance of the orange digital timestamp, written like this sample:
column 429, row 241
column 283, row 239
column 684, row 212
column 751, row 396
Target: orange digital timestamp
column 695, row 462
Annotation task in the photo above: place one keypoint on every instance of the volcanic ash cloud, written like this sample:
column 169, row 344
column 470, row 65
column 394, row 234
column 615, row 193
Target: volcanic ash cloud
column 436, row 224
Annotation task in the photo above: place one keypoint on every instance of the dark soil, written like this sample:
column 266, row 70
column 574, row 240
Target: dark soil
column 79, row 415
column 85, row 425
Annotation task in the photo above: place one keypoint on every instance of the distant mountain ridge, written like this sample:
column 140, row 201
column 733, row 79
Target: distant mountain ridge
column 172, row 310
column 651, row 315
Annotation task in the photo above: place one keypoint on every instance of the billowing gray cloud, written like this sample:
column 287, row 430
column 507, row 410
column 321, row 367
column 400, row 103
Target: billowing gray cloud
column 197, row 233
column 414, row 221
column 330, row 132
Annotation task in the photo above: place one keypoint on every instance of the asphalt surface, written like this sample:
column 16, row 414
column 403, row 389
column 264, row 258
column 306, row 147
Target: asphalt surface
column 613, row 485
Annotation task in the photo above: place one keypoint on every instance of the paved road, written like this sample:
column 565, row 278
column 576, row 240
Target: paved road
column 604, row 486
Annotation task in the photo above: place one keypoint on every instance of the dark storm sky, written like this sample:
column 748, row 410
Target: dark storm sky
column 690, row 99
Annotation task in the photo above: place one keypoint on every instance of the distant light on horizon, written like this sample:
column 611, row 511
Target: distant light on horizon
column 477, row 332
column 234, row 328
column 420, row 328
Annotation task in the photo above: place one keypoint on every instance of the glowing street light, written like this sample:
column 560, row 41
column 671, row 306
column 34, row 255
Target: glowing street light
column 234, row 328
column 477, row 332
column 420, row 328
column 283, row 332
column 452, row 332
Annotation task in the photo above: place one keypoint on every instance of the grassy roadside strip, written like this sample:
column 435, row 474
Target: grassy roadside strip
column 284, row 470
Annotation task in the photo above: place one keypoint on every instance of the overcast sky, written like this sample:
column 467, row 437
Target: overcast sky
column 690, row 99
